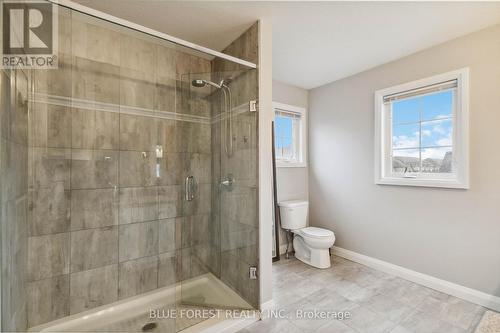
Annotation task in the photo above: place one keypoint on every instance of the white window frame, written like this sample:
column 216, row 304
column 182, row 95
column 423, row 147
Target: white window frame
column 302, row 135
column 460, row 123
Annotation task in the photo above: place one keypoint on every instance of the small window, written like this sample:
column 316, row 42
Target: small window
column 421, row 132
column 289, row 135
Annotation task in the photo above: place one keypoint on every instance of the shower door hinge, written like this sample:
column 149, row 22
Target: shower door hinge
column 253, row 106
column 253, row 273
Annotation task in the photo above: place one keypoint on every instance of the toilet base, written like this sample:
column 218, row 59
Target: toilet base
column 319, row 258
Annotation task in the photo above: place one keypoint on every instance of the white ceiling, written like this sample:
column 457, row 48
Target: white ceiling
column 314, row 43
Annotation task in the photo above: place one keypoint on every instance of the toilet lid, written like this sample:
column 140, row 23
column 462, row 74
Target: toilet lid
column 316, row 232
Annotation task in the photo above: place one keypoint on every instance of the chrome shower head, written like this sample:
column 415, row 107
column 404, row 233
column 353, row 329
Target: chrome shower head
column 198, row 83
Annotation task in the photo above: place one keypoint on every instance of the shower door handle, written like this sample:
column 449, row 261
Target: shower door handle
column 189, row 188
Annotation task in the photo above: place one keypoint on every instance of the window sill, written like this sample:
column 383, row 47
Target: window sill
column 290, row 165
column 439, row 183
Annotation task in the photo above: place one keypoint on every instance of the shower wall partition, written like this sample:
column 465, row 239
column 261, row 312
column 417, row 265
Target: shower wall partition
column 238, row 207
column 97, row 159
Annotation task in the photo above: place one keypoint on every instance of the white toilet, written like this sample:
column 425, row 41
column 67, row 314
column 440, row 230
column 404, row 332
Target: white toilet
column 311, row 244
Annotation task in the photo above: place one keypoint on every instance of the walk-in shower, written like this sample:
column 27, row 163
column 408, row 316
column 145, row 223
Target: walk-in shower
column 97, row 231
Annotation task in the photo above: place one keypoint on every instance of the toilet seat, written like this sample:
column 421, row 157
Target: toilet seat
column 314, row 232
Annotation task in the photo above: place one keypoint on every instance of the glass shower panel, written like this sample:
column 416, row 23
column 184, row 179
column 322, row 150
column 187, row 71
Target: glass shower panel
column 123, row 181
column 220, row 190
column 14, row 103
column 193, row 138
column 49, row 264
column 148, row 172
column 239, row 202
column 103, row 194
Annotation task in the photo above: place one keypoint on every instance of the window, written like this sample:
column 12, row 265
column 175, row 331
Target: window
column 289, row 135
column 421, row 135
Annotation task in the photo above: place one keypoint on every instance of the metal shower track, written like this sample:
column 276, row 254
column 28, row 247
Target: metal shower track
column 116, row 20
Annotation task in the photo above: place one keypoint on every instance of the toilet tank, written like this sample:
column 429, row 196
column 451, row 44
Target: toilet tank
column 293, row 214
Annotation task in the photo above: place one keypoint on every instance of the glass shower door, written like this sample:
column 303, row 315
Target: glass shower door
column 220, row 223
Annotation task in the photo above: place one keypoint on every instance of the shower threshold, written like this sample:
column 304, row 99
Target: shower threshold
column 135, row 313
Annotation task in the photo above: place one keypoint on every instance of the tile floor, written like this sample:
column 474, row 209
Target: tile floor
column 377, row 302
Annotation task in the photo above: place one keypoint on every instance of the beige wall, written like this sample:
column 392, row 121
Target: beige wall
column 450, row 234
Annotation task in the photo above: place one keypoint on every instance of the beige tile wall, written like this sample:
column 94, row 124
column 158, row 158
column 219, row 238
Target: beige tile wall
column 14, row 200
column 94, row 223
column 102, row 225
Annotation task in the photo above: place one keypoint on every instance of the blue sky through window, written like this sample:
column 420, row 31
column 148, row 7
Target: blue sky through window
column 423, row 121
column 283, row 132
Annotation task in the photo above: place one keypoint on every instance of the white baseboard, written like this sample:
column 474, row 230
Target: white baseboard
column 468, row 294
